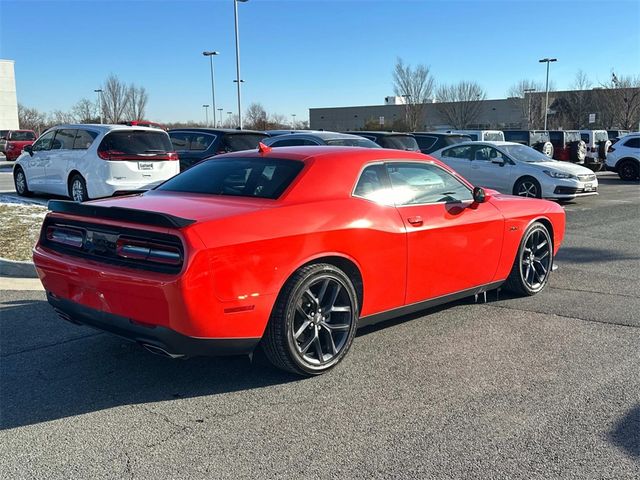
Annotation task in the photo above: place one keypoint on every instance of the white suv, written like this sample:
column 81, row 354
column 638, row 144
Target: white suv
column 624, row 157
column 93, row 161
column 597, row 142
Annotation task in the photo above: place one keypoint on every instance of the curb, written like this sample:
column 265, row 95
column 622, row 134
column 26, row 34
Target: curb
column 17, row 269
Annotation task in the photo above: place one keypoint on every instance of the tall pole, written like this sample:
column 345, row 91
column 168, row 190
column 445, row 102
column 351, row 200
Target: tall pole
column 220, row 110
column 206, row 114
column 238, row 81
column 546, row 102
column 211, row 54
column 529, row 91
column 99, row 92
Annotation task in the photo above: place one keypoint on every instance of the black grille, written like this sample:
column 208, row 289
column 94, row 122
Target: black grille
column 572, row 190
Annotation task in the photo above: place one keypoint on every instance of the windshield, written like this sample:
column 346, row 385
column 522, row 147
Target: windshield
column 22, row 136
column 237, row 177
column 523, row 153
column 400, row 142
column 352, row 142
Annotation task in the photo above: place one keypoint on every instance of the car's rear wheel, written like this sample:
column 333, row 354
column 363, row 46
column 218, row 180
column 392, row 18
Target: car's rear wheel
column 527, row 187
column 533, row 263
column 313, row 322
column 20, row 182
column 78, row 189
column 629, row 170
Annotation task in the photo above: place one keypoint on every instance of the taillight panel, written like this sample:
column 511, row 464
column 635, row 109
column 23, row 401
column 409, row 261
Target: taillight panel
column 114, row 155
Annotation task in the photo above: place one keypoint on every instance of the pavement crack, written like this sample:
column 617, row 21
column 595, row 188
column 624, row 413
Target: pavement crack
column 180, row 428
column 49, row 345
column 594, row 291
column 127, row 466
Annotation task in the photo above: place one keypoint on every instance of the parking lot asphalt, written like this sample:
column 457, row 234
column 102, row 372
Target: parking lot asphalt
column 538, row 387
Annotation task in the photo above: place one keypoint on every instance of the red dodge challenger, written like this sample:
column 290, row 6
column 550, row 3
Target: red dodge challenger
column 292, row 248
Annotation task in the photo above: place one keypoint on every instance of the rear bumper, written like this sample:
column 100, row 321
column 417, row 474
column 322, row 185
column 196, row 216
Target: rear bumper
column 155, row 338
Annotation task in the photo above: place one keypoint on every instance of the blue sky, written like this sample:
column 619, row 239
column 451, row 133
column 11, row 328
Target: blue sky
column 304, row 53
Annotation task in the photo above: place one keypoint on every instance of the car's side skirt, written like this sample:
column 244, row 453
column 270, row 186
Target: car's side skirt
column 432, row 302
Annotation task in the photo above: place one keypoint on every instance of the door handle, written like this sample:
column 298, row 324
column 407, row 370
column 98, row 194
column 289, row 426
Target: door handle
column 415, row 221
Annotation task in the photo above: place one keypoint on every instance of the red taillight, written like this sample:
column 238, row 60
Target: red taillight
column 116, row 155
column 172, row 156
column 148, row 251
column 71, row 237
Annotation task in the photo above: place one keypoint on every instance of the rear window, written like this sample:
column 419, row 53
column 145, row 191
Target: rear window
column 425, row 142
column 399, row 142
column 352, row 142
column 519, row 137
column 243, row 141
column 23, row 136
column 493, row 137
column 572, row 137
column 237, row 177
column 136, row 142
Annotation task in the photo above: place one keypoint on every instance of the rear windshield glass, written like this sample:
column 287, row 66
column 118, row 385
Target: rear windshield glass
column 238, row 177
column 452, row 139
column 23, row 136
column 400, row 142
column 493, row 137
column 237, row 142
column 352, row 142
column 136, row 142
column 600, row 137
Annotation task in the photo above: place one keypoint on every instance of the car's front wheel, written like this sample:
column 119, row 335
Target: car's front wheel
column 20, row 182
column 533, row 263
column 78, row 189
column 313, row 322
column 527, row 187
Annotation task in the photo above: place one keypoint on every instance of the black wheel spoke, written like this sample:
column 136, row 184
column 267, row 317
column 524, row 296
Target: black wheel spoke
column 318, row 347
column 301, row 330
column 305, row 347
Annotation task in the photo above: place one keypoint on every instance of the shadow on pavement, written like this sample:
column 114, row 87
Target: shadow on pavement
column 592, row 255
column 626, row 433
column 50, row 370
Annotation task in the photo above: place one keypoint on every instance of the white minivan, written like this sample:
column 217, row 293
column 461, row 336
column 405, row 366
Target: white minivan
column 92, row 161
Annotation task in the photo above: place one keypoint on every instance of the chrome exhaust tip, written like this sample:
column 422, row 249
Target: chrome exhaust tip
column 161, row 351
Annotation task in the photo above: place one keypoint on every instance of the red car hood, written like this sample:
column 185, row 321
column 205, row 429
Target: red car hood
column 191, row 206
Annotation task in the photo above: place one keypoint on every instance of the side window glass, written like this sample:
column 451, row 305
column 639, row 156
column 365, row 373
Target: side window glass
column 415, row 184
column 458, row 152
column 44, row 142
column 487, row 154
column 373, row 185
column 632, row 143
column 200, row 142
column 585, row 137
column 64, row 139
column 84, row 139
column 425, row 142
column 180, row 141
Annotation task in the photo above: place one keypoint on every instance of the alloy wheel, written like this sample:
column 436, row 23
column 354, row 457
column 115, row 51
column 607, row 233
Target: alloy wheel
column 322, row 320
column 528, row 189
column 77, row 191
column 21, row 183
column 536, row 259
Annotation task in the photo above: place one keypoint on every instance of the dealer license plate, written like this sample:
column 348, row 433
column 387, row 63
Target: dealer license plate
column 588, row 187
column 145, row 165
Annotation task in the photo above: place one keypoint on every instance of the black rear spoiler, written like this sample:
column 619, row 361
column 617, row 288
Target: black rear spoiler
column 144, row 217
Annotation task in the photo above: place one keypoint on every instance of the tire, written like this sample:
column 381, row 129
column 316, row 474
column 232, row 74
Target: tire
column 527, row 187
column 78, row 189
column 578, row 151
column 297, row 324
column 603, row 149
column 628, row 169
column 533, row 263
column 545, row 148
column 20, row 183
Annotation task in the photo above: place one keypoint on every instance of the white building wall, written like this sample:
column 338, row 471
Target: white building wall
column 8, row 98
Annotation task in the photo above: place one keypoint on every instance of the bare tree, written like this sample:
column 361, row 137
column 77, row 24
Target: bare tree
column 231, row 121
column 624, row 94
column 416, row 86
column 59, row 117
column 86, row 111
column 577, row 103
column 114, row 98
column 136, row 102
column 460, row 104
column 278, row 120
column 31, row 118
column 256, row 117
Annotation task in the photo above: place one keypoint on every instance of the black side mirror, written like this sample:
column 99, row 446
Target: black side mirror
column 28, row 149
column 479, row 195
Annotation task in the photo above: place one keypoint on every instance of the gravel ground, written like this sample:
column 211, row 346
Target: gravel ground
column 518, row 388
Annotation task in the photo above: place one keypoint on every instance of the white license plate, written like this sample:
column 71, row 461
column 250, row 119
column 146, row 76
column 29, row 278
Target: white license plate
column 145, row 165
column 588, row 187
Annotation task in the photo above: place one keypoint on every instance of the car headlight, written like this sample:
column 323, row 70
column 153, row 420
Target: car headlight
column 555, row 174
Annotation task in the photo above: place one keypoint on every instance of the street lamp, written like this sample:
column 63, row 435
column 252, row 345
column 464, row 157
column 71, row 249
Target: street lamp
column 99, row 92
column 238, row 81
column 229, row 118
column 206, row 115
column 293, row 122
column 220, row 111
column 546, row 102
column 529, row 91
column 211, row 54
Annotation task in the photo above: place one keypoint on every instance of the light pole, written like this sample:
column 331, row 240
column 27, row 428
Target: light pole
column 206, row 115
column 229, row 118
column 220, row 111
column 293, row 122
column 546, row 102
column 238, row 81
column 211, row 54
column 99, row 92
column 529, row 91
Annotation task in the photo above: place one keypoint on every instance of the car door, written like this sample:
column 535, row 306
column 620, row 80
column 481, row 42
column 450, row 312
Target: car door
column 35, row 164
column 459, row 158
column 453, row 244
column 491, row 169
column 56, row 168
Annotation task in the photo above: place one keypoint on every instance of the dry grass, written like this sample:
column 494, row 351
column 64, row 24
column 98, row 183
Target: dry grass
column 19, row 229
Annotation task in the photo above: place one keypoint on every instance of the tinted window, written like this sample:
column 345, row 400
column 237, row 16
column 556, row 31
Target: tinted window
column 180, row 141
column 453, row 139
column 425, row 142
column 458, row 152
column 415, row 184
column 488, row 154
column 292, row 142
column 526, row 154
column 399, row 142
column 84, row 139
column 584, row 137
column 136, row 142
column 44, row 142
column 632, row 143
column 556, row 137
column 200, row 142
column 237, row 142
column 64, row 139
column 474, row 137
column 20, row 136
column 352, row 142
column 251, row 177
column 373, row 185
column 3, row 134
column 519, row 137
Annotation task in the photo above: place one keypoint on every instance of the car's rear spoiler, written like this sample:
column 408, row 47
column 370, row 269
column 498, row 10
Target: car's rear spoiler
column 144, row 217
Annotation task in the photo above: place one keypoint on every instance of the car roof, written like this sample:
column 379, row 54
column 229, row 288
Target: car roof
column 443, row 134
column 217, row 130
column 103, row 127
column 376, row 132
column 322, row 135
